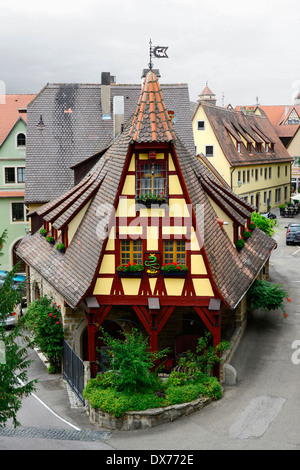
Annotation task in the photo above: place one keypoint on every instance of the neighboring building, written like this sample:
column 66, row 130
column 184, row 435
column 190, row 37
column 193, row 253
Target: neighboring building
column 246, row 151
column 67, row 123
column 286, row 122
column 13, row 117
column 148, row 200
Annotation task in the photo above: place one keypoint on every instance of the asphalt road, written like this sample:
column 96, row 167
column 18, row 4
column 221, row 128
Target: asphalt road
column 260, row 413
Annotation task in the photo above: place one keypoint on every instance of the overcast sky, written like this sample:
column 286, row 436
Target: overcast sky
column 244, row 49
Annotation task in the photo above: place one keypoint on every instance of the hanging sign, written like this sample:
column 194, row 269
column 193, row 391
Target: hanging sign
column 152, row 263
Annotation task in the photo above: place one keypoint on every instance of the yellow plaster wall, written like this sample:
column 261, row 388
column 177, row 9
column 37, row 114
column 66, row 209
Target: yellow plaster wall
column 203, row 287
column 207, row 137
column 223, row 216
column 152, row 238
column 174, row 286
column 198, row 265
column 294, row 146
column 129, row 186
column 131, row 286
column 107, row 265
column 174, row 185
column 126, row 208
column 103, row 286
column 74, row 224
column 111, row 240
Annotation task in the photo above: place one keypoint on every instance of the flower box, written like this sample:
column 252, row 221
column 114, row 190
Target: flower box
column 151, row 199
column 150, row 202
column 50, row 240
column 174, row 270
column 43, row 232
column 134, row 274
column 130, row 270
column 174, row 273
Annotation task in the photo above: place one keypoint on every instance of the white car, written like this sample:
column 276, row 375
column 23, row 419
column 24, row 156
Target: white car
column 13, row 318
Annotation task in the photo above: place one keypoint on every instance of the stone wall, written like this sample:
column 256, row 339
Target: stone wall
column 144, row 419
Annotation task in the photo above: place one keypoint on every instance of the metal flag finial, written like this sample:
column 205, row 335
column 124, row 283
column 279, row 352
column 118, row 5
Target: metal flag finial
column 160, row 52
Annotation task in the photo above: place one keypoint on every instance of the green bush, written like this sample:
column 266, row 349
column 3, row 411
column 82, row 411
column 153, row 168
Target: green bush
column 264, row 224
column 133, row 385
column 118, row 403
column 43, row 319
column 100, row 396
column 264, row 295
column 131, row 362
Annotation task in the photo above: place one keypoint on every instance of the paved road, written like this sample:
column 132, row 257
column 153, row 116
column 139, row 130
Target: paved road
column 260, row 412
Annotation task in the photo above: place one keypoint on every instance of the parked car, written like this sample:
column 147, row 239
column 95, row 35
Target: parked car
column 292, row 234
column 269, row 215
column 13, row 318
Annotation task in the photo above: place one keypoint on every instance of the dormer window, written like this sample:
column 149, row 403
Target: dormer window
column 258, row 147
column 151, row 181
column 249, row 147
column 267, row 147
column 239, row 147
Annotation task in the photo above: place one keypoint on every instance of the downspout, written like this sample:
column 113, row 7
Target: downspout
column 231, row 178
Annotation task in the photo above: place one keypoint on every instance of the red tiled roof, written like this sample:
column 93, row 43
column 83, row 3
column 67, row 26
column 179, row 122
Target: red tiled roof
column 151, row 122
column 10, row 107
column 207, row 91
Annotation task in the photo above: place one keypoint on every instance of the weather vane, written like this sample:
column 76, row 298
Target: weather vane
column 160, row 52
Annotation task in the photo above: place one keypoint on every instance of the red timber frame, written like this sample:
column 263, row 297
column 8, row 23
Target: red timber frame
column 152, row 320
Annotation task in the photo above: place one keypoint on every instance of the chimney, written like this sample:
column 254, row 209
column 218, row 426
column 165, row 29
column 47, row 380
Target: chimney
column 105, row 95
column 118, row 110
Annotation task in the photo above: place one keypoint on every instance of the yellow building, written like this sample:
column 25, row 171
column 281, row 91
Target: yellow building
column 246, row 151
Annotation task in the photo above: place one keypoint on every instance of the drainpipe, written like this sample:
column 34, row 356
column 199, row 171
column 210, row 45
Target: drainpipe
column 231, row 178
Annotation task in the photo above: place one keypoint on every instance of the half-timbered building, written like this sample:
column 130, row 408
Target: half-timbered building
column 149, row 239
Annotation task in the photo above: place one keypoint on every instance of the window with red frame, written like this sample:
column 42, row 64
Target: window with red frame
column 151, row 181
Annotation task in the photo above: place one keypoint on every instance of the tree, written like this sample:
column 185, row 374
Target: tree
column 264, row 295
column 14, row 361
column 263, row 223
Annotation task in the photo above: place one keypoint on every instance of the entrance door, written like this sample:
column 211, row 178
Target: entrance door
column 17, row 259
column 257, row 201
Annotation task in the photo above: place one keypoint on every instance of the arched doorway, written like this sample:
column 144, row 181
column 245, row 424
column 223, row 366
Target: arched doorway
column 17, row 260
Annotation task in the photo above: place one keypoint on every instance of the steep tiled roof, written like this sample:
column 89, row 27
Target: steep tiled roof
column 254, row 128
column 73, row 129
column 151, row 122
column 12, row 109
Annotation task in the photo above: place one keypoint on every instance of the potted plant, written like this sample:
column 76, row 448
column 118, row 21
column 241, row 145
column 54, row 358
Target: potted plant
column 61, row 247
column 247, row 234
column 174, row 269
column 252, row 226
column 130, row 270
column 240, row 244
column 50, row 240
column 43, row 232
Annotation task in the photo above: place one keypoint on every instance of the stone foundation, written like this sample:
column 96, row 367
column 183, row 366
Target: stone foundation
column 144, row 419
